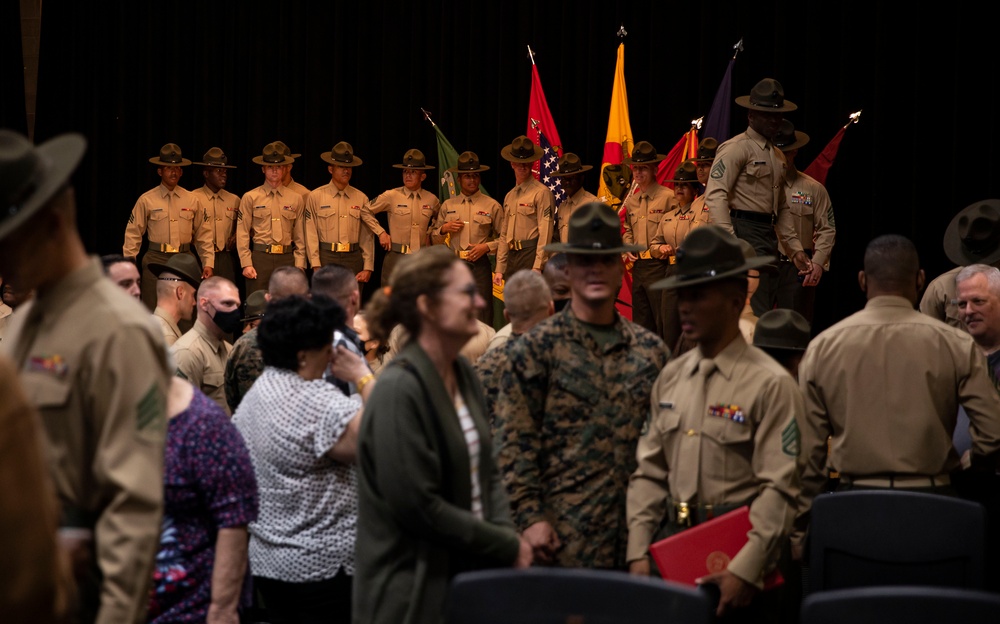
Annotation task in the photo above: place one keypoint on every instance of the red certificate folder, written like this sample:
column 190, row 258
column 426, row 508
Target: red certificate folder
column 705, row 548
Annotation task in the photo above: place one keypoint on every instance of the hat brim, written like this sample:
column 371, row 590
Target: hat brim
column 801, row 140
column 62, row 154
column 285, row 160
column 481, row 169
column 630, row 162
column 701, row 160
column 205, row 164
column 679, row 281
column 764, row 343
column 157, row 267
column 423, row 168
column 328, row 157
column 695, row 181
column 568, row 248
column 162, row 163
column 958, row 254
column 566, row 174
column 787, row 106
column 252, row 317
column 509, row 156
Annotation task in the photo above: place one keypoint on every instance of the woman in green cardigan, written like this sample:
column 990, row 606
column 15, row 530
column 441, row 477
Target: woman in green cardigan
column 430, row 500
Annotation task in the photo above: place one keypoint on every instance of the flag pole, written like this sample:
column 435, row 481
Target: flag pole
column 427, row 116
column 737, row 48
column 531, row 55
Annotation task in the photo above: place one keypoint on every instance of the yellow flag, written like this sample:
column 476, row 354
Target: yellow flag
column 616, row 178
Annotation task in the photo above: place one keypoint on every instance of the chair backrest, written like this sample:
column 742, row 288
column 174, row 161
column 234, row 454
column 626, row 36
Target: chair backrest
column 558, row 596
column 901, row 603
column 895, row 537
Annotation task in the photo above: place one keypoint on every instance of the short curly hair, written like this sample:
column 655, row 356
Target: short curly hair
column 294, row 324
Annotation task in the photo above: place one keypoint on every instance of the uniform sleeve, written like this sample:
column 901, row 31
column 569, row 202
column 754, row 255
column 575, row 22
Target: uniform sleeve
column 128, row 382
column 203, row 234
column 367, row 241
column 659, row 238
column 933, row 302
column 546, row 210
column 406, row 468
column 432, row 222
column 310, row 229
column 502, row 247
column 981, row 401
column 244, row 220
column 648, row 488
column 298, row 233
column 518, row 415
column 440, row 218
column 190, row 364
column 499, row 224
column 726, row 170
column 243, row 367
column 824, row 229
column 775, row 466
column 372, row 208
column 628, row 236
column 134, row 229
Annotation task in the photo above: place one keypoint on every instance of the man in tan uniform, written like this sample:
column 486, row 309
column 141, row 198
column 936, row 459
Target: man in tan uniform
column 746, row 189
column 645, row 208
column 470, row 224
column 570, row 172
column 221, row 208
column 528, row 210
column 275, row 214
column 412, row 212
column 172, row 218
column 886, row 383
column 722, row 429
column 972, row 237
column 812, row 215
column 176, row 284
column 201, row 353
column 335, row 233
column 94, row 366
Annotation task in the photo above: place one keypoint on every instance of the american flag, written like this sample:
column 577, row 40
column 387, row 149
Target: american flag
column 548, row 164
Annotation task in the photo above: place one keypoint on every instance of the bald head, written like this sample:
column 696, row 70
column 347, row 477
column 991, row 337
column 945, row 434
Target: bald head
column 527, row 300
column 287, row 281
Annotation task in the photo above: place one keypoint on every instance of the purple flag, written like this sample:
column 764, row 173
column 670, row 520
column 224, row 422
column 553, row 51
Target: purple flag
column 717, row 122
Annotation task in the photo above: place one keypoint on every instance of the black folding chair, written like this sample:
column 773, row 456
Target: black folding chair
column 557, row 596
column 895, row 537
column 901, row 603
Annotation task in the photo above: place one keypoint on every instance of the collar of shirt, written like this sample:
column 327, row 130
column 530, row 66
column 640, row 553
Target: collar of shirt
column 210, row 193
column 471, row 198
column 207, row 336
column 164, row 191
column 523, row 187
column 758, row 138
column 273, row 190
column 889, row 301
column 336, row 192
column 418, row 194
column 727, row 359
column 160, row 312
column 58, row 296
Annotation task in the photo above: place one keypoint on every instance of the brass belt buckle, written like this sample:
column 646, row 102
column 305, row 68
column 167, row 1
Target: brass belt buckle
column 277, row 249
column 463, row 255
column 683, row 514
column 404, row 249
column 645, row 255
column 170, row 249
column 673, row 259
column 341, row 246
column 515, row 245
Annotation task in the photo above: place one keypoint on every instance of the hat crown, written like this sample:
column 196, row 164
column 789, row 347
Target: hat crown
column 21, row 170
column 708, row 251
column 686, row 172
column 183, row 265
column 980, row 229
column 643, row 152
column 342, row 152
column 272, row 154
column 256, row 302
column 594, row 226
column 467, row 161
column 569, row 163
column 215, row 156
column 768, row 93
column 782, row 328
column 707, row 148
column 414, row 158
column 522, row 147
column 282, row 148
column 171, row 154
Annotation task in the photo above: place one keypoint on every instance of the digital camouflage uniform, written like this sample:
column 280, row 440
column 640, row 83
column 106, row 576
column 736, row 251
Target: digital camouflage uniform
column 489, row 367
column 244, row 366
column 568, row 417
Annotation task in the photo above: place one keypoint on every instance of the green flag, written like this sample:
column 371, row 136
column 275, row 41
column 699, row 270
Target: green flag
column 448, row 159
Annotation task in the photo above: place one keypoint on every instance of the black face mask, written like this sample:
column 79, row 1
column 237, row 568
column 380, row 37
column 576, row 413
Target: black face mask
column 560, row 303
column 228, row 322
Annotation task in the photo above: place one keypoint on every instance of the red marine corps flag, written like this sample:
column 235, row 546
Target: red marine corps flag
column 540, row 118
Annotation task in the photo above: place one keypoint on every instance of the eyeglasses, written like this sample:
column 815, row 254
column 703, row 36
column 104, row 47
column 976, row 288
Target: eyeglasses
column 470, row 289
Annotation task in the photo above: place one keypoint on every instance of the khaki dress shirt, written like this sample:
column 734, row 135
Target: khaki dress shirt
column 334, row 216
column 675, row 226
column 645, row 210
column 721, row 436
column 172, row 218
column 940, row 299
column 483, row 219
column 94, row 366
column 275, row 214
column 812, row 214
column 167, row 324
column 411, row 215
column 528, row 215
column 568, row 207
column 201, row 359
column 220, row 212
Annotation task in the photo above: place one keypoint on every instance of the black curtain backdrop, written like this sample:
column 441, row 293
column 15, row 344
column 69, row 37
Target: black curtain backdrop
column 132, row 76
column 12, row 111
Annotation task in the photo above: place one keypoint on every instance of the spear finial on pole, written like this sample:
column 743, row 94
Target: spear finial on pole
column 531, row 55
column 427, row 116
column 737, row 48
column 622, row 33
column 854, row 117
column 696, row 123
